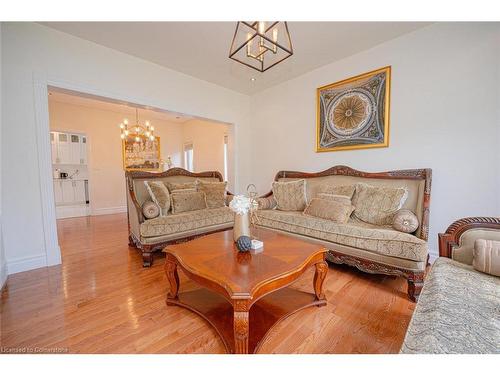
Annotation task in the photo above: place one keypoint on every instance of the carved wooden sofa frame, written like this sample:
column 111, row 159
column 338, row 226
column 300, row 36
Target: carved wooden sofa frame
column 148, row 249
column 415, row 279
column 451, row 238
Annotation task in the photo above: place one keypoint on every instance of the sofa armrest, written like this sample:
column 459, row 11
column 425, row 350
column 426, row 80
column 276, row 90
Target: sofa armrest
column 134, row 213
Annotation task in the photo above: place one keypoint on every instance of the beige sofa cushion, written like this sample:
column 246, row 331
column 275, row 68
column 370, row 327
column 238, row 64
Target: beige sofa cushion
column 187, row 221
column 266, row 203
column 345, row 190
column 377, row 204
column 381, row 240
column 405, row 221
column 159, row 195
column 334, row 197
column 176, row 186
column 290, row 196
column 215, row 192
column 487, row 256
column 188, row 201
column 456, row 313
column 336, row 211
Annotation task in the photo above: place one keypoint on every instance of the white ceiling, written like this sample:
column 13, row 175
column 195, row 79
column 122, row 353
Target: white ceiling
column 201, row 49
column 127, row 109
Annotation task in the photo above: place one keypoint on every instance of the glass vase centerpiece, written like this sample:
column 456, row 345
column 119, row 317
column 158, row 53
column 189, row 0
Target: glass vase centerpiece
column 242, row 206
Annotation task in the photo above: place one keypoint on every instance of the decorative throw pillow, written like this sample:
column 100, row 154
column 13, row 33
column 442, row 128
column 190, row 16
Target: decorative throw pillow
column 175, row 186
column 150, row 210
column 334, row 197
column 335, row 211
column 405, row 221
column 378, row 204
column 290, row 195
column 267, row 203
column 188, row 201
column 487, row 257
column 159, row 194
column 346, row 190
column 214, row 191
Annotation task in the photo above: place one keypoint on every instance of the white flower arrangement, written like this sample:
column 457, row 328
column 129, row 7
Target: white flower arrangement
column 241, row 204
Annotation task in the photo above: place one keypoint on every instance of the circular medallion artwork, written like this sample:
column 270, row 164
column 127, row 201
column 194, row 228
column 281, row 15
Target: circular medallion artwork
column 350, row 113
column 354, row 113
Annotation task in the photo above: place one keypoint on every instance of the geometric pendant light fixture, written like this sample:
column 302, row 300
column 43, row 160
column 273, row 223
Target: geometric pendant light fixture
column 261, row 45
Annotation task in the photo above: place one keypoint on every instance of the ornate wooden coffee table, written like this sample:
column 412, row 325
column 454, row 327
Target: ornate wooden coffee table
column 245, row 294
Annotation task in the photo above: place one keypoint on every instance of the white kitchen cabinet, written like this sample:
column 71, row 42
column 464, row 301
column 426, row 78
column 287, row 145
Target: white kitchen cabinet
column 83, row 149
column 63, row 149
column 58, row 192
column 74, row 149
column 79, row 191
column 68, row 191
column 68, row 148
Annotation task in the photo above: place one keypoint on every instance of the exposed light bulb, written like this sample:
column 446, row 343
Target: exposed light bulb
column 147, row 123
column 137, row 139
column 137, row 129
column 152, row 128
column 126, row 132
column 152, row 138
column 121, row 126
column 262, row 27
column 148, row 134
column 125, row 121
column 122, row 136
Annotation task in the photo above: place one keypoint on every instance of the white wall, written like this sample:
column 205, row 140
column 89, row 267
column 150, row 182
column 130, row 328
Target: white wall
column 208, row 144
column 443, row 116
column 30, row 49
column 105, row 173
column 3, row 263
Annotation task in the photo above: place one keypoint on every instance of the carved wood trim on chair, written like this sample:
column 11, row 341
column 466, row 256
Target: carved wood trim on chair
column 451, row 237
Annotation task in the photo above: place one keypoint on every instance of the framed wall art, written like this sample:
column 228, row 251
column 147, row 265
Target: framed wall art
column 141, row 155
column 354, row 113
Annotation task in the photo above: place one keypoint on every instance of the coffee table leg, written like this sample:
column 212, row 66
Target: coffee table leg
column 241, row 326
column 319, row 278
column 172, row 276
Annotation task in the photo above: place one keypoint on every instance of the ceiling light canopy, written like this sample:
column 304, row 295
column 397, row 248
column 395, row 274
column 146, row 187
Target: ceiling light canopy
column 261, row 45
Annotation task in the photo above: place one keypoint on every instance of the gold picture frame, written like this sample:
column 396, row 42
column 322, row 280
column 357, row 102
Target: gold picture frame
column 145, row 156
column 354, row 113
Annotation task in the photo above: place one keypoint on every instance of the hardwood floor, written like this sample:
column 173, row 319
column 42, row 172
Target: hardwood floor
column 101, row 300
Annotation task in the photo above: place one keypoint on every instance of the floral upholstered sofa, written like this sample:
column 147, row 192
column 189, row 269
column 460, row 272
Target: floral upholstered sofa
column 459, row 309
column 197, row 217
column 373, row 248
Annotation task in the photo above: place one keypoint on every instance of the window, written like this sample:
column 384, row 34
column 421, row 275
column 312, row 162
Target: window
column 225, row 157
column 188, row 157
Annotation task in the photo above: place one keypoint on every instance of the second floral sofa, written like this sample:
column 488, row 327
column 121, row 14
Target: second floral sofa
column 361, row 233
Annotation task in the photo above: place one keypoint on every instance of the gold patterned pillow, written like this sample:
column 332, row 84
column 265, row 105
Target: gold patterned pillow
column 378, row 204
column 290, row 195
column 159, row 194
column 335, row 211
column 267, row 203
column 214, row 191
column 334, row 197
column 176, row 186
column 405, row 221
column 188, row 201
column 347, row 190
column 150, row 210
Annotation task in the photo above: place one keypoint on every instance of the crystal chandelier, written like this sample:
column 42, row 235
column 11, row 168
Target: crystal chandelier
column 137, row 132
column 261, row 45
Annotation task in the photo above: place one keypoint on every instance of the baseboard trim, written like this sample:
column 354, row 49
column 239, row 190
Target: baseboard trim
column 433, row 257
column 109, row 210
column 5, row 275
column 26, row 264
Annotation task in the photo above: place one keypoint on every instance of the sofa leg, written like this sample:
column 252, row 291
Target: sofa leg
column 147, row 259
column 415, row 284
